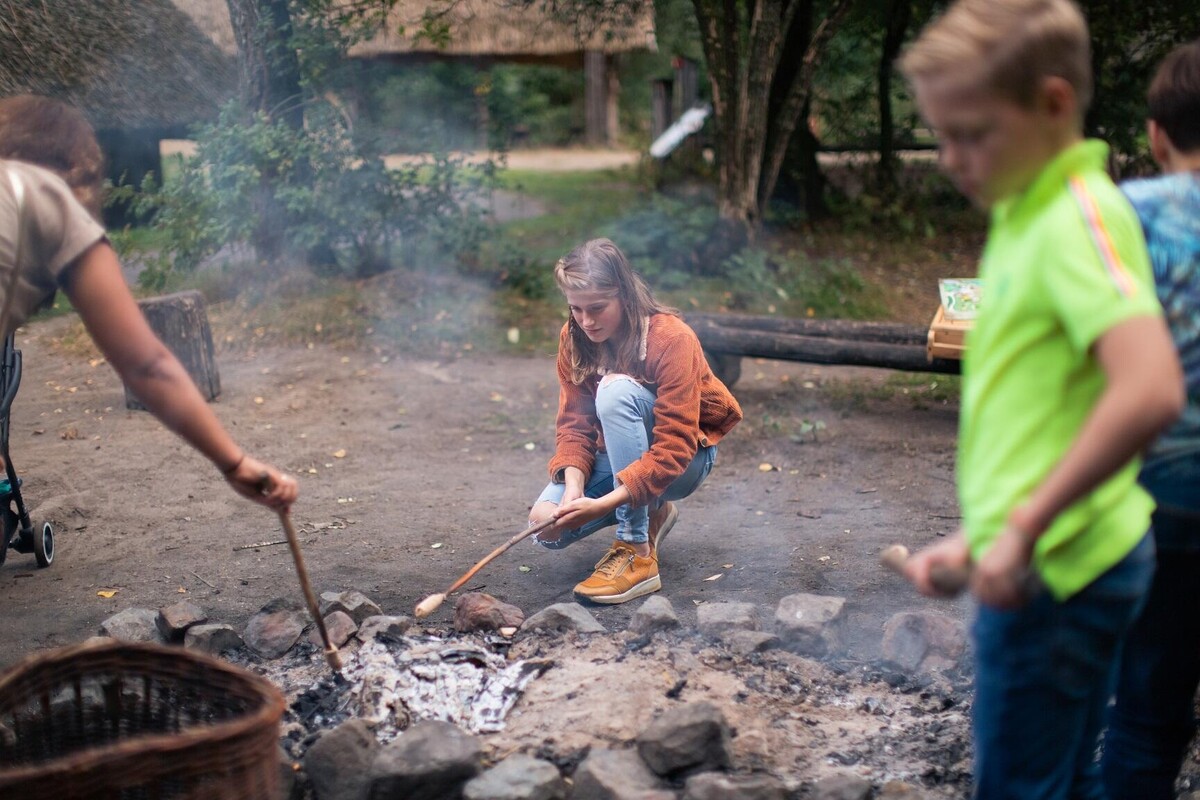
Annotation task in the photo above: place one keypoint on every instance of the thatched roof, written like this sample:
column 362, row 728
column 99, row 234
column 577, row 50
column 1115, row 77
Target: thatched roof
column 476, row 28
column 126, row 64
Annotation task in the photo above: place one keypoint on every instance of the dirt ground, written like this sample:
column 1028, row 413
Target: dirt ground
column 412, row 470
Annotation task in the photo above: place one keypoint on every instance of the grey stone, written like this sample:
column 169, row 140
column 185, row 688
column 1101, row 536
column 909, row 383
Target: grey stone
column 808, row 623
column 899, row 790
column 381, row 625
column 430, row 761
column 719, row 786
column 476, row 611
column 338, row 626
column 273, row 630
column 133, row 625
column 338, row 764
column 842, row 786
column 212, row 639
column 689, row 738
column 923, row 641
column 656, row 614
column 563, row 617
column 353, row 602
column 746, row 642
column 175, row 619
column 518, row 777
column 721, row 619
column 617, row 775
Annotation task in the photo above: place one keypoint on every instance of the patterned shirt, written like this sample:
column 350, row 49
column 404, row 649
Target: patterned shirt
column 1169, row 210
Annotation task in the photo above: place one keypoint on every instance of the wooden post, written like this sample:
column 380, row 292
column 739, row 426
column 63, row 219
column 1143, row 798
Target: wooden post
column 612, row 106
column 181, row 321
column 687, row 85
column 595, row 97
column 660, row 108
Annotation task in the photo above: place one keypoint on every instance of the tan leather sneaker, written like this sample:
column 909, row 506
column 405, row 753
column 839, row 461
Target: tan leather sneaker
column 621, row 575
column 662, row 519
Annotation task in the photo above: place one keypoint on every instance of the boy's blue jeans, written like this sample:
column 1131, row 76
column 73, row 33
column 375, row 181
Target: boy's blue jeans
column 1153, row 719
column 626, row 411
column 1043, row 677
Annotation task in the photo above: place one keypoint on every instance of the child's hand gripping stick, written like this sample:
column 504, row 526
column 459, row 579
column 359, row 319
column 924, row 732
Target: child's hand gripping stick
column 947, row 580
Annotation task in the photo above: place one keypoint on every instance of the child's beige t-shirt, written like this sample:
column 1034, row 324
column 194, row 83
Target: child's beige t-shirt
column 43, row 229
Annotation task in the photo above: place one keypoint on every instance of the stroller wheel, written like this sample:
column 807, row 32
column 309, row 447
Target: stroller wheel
column 43, row 545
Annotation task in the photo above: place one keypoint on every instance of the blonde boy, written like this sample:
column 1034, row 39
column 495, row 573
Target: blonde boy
column 1070, row 371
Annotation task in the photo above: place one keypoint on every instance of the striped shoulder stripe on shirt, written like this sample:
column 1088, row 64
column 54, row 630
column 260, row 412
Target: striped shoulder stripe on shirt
column 1100, row 237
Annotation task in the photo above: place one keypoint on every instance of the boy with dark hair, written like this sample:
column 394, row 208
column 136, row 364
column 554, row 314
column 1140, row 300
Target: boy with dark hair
column 1153, row 718
column 1069, row 373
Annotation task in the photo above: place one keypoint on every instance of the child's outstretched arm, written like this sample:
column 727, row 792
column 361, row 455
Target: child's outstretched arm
column 96, row 288
column 1143, row 395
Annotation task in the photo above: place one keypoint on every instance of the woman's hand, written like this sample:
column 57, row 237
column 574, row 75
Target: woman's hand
column 951, row 556
column 574, row 484
column 263, row 483
column 581, row 511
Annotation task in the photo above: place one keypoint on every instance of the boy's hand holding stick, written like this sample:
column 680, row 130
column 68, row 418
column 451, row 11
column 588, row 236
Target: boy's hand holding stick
column 951, row 579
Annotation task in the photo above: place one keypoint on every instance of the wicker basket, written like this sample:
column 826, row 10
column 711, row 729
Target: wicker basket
column 130, row 721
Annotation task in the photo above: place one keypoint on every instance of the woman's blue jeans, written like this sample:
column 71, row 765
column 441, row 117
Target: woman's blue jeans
column 1043, row 677
column 626, row 412
column 1153, row 719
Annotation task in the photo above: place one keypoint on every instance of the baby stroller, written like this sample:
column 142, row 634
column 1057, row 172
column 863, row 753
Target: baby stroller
column 18, row 531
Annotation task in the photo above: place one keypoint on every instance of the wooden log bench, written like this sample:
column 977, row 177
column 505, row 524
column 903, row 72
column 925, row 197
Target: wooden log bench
column 727, row 338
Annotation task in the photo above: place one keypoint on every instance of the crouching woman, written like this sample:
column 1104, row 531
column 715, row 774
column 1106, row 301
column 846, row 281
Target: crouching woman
column 640, row 414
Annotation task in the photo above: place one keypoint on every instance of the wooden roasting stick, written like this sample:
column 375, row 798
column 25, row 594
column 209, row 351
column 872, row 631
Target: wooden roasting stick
column 331, row 651
column 431, row 603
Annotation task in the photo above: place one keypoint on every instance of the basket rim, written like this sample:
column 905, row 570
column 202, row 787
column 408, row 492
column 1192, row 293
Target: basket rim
column 268, row 714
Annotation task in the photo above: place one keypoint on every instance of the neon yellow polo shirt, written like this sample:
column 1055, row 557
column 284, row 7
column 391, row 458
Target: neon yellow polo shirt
column 1065, row 261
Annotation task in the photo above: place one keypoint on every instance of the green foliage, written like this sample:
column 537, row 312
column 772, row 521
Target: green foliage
column 794, row 284
column 664, row 238
column 1129, row 39
column 344, row 211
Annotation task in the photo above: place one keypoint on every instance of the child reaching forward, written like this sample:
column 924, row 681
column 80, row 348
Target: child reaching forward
column 639, row 418
column 1069, row 373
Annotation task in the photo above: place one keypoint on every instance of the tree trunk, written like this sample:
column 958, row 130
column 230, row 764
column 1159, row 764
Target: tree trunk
column 898, row 16
column 269, row 80
column 181, row 321
column 759, row 90
column 268, row 66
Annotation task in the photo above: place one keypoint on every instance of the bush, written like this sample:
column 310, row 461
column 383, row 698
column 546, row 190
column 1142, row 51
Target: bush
column 327, row 200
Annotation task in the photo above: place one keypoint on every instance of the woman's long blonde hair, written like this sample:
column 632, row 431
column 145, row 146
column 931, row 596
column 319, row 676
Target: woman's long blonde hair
column 600, row 266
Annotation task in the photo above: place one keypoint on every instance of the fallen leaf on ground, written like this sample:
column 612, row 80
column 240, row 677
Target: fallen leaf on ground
column 339, row 453
column 714, row 577
column 765, row 467
column 436, row 545
column 107, row 593
column 727, row 566
column 525, row 568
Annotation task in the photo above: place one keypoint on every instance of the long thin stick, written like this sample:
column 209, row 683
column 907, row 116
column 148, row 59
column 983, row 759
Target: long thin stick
column 430, row 604
column 331, row 651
